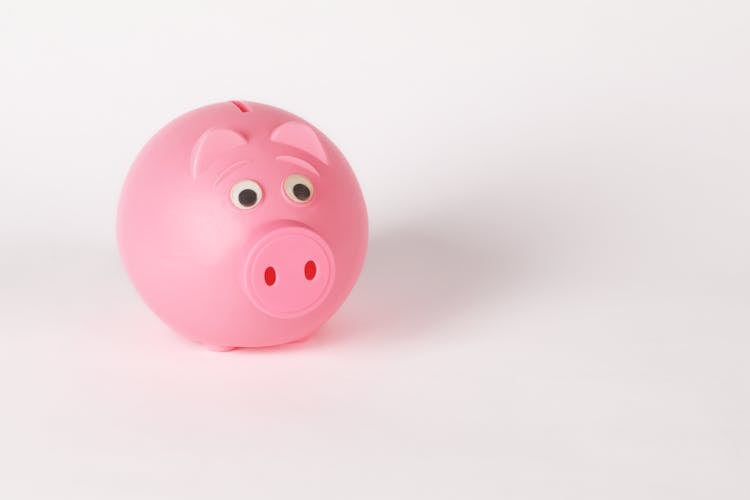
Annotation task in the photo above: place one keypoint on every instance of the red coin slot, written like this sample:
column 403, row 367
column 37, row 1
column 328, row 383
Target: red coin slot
column 241, row 106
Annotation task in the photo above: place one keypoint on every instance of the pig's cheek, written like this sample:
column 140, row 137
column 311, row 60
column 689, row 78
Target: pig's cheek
column 212, row 230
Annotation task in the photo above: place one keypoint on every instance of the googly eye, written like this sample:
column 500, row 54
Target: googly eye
column 246, row 194
column 298, row 188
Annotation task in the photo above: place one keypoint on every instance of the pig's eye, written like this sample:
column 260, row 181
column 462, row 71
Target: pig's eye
column 246, row 194
column 298, row 188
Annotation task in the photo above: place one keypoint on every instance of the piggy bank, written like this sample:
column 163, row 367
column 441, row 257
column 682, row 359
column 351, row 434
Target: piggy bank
column 242, row 225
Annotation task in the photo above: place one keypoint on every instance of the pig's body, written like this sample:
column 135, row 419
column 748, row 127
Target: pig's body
column 242, row 226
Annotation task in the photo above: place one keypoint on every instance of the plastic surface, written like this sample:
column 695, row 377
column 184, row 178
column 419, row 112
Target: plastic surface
column 241, row 225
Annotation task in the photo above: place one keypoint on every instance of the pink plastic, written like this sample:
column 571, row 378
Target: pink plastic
column 241, row 225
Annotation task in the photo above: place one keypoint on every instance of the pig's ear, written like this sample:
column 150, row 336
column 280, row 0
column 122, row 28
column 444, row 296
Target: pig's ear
column 301, row 136
column 210, row 145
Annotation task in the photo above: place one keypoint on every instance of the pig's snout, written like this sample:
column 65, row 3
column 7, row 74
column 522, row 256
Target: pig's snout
column 289, row 272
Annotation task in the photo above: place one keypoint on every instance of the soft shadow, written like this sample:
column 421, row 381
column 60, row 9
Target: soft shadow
column 424, row 272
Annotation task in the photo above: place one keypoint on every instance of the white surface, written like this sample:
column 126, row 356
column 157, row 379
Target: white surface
column 556, row 302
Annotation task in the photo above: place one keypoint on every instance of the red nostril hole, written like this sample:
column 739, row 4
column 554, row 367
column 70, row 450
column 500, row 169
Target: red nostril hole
column 270, row 276
column 310, row 270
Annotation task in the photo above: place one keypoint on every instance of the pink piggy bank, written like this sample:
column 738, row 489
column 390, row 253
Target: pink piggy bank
column 242, row 225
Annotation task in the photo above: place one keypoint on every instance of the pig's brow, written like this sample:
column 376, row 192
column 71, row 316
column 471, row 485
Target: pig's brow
column 227, row 170
column 299, row 162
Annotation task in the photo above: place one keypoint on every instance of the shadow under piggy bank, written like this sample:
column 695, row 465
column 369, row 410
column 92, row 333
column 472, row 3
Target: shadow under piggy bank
column 417, row 276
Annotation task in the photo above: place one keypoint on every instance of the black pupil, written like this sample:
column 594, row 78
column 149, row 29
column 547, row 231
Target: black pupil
column 248, row 197
column 301, row 192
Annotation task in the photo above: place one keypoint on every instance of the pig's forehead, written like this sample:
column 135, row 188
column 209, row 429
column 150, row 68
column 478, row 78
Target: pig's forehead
column 272, row 154
column 259, row 135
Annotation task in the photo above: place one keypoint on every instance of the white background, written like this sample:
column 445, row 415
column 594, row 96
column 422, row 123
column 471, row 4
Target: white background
column 556, row 300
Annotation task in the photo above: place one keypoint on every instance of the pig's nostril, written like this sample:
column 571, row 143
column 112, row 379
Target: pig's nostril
column 310, row 270
column 270, row 276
